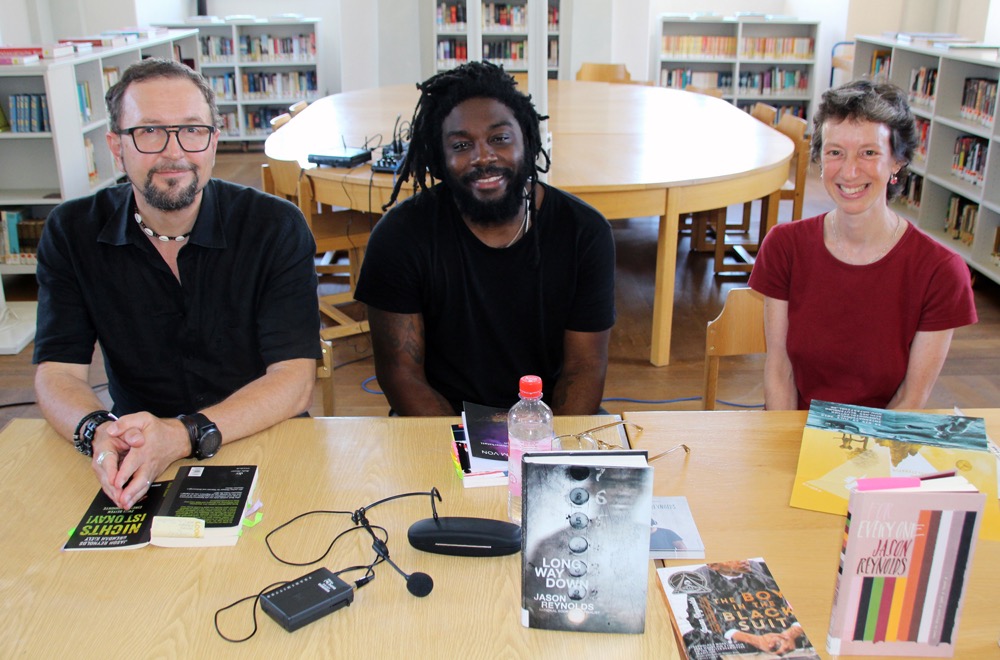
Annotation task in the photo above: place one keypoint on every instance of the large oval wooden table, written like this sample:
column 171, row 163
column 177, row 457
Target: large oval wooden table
column 628, row 150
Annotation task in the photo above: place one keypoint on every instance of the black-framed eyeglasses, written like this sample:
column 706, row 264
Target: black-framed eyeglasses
column 153, row 139
column 588, row 435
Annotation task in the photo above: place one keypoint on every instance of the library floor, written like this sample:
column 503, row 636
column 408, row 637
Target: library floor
column 970, row 378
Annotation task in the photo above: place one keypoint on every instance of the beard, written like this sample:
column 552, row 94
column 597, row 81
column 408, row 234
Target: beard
column 176, row 196
column 488, row 213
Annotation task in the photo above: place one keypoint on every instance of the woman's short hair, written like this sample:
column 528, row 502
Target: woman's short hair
column 881, row 103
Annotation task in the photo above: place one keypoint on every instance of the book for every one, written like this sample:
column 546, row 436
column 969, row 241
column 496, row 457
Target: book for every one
column 904, row 565
column 204, row 505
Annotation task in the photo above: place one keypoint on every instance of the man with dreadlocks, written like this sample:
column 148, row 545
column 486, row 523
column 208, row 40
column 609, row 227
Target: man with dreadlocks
column 486, row 274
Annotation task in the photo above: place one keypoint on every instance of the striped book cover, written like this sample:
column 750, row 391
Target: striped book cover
column 904, row 563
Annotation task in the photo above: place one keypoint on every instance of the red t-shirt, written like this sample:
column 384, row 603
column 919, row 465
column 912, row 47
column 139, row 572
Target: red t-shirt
column 850, row 327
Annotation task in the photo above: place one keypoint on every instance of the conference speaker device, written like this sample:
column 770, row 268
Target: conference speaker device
column 465, row 537
column 307, row 599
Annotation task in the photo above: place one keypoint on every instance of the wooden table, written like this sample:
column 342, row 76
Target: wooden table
column 629, row 150
column 738, row 480
column 160, row 602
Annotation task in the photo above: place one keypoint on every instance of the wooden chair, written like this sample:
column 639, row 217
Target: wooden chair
column 764, row 113
column 738, row 330
column 599, row 72
column 297, row 107
column 324, row 376
column 793, row 189
column 344, row 231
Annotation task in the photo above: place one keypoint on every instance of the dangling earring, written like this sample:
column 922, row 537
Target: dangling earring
column 894, row 179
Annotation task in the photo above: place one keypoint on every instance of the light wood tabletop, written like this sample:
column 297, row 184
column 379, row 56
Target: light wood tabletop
column 738, row 481
column 160, row 602
column 629, row 150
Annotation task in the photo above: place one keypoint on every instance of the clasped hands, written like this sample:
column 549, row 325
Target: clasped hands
column 132, row 451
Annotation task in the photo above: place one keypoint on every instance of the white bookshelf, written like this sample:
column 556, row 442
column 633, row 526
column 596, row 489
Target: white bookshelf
column 258, row 68
column 770, row 59
column 499, row 32
column 945, row 124
column 42, row 169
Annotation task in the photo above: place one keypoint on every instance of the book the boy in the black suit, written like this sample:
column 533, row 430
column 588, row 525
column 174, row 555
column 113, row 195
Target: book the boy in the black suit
column 585, row 541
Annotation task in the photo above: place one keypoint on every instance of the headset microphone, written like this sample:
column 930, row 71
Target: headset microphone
column 418, row 584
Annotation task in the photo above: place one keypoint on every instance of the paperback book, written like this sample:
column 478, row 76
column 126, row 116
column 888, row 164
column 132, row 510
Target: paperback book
column 732, row 609
column 904, row 565
column 494, row 474
column 673, row 532
column 585, row 540
column 205, row 505
column 843, row 443
column 485, row 445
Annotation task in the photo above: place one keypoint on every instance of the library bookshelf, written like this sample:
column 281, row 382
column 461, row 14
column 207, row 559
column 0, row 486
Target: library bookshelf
column 42, row 168
column 764, row 58
column 497, row 32
column 258, row 68
column 954, row 189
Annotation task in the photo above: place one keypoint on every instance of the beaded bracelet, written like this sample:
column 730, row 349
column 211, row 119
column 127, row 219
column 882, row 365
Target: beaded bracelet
column 83, row 436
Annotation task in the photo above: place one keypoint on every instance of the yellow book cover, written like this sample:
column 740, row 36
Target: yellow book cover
column 843, row 443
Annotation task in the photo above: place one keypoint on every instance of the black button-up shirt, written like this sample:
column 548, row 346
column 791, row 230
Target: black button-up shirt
column 246, row 297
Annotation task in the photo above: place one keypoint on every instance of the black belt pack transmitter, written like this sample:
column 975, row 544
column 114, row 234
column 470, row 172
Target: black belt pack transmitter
column 306, row 599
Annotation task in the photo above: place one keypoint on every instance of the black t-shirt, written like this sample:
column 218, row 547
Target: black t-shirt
column 492, row 315
column 246, row 299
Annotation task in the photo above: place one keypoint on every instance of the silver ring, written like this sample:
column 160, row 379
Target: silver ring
column 148, row 483
column 100, row 457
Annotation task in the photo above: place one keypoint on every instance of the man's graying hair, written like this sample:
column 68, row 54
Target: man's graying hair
column 151, row 68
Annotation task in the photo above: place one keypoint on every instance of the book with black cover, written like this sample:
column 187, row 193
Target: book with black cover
column 585, row 541
column 203, row 506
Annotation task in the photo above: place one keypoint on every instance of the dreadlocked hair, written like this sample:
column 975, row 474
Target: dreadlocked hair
column 439, row 95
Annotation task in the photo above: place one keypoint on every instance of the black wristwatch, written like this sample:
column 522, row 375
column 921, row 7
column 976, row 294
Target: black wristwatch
column 205, row 435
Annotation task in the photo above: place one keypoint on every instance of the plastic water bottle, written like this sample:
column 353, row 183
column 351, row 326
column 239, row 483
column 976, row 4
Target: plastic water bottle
column 529, row 428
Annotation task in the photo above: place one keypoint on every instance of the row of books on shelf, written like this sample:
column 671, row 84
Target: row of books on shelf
column 682, row 78
column 259, row 85
column 452, row 50
column 923, row 86
column 258, row 48
column 506, row 49
column 794, row 109
column 960, row 223
column 698, row 46
column 913, row 192
column 881, row 61
column 774, row 81
column 979, row 100
column 969, row 158
column 26, row 113
column 19, row 234
column 451, row 16
column 923, row 127
column 258, row 120
column 797, row 48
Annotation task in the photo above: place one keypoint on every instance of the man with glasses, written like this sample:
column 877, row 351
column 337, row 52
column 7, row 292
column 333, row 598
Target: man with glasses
column 201, row 294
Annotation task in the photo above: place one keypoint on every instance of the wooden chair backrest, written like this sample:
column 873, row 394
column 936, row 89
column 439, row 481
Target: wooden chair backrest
column 324, row 376
column 284, row 178
column 707, row 91
column 280, row 120
column 795, row 129
column 738, row 330
column 600, row 72
column 297, row 107
column 764, row 112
